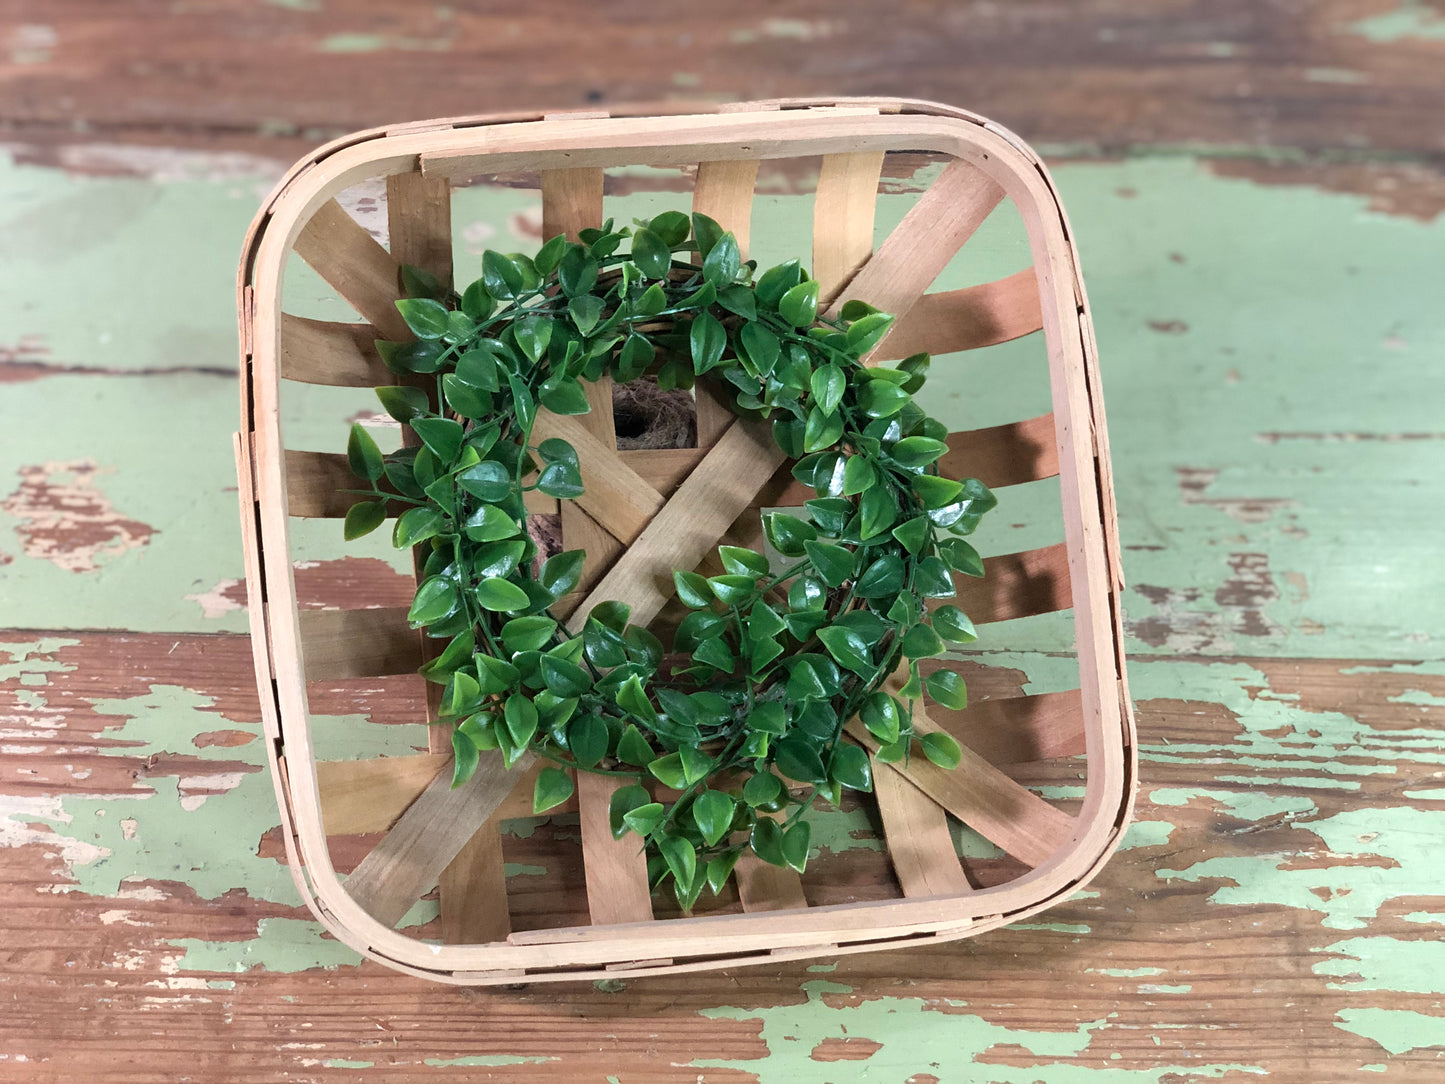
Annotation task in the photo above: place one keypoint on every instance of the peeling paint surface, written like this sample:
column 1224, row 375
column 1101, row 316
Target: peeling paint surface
column 1271, row 360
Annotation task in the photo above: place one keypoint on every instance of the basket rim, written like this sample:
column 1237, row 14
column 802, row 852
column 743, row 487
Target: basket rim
column 782, row 125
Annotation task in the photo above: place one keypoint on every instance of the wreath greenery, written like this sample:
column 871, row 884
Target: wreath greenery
column 745, row 717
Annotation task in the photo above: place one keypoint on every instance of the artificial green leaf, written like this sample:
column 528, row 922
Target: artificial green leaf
column 403, row 403
column 763, row 790
column 733, row 590
column 417, row 525
column 442, row 435
column 564, row 678
column 795, row 845
column 705, row 232
column 644, row 818
column 961, row 556
column 762, row 346
column 941, row 749
column 652, row 301
column 776, row 281
column 476, row 302
column 797, row 758
column 668, row 770
column 806, row 593
column 426, row 317
column 947, row 688
column 720, row 266
column 496, row 675
column 528, row 633
column 587, row 735
column 865, row 333
column 651, row 253
column 501, row 275
column 465, row 756
column 631, row 697
column 880, row 399
column 858, row 475
column 363, row 456
column 953, row 624
column 877, row 512
column 692, row 590
column 827, row 384
column 550, row 254
column 822, row 430
column 585, row 310
column 912, row 534
column 715, row 653
column 624, row 800
column 788, row 533
column 462, row 695
column 533, row 333
column 720, row 869
column 362, row 518
column 563, row 571
column 489, row 481
column 497, row 594
column 743, row 562
column 707, row 341
column 771, row 718
column 834, row 564
column 635, row 356
column 936, row 492
column 882, row 716
column 855, row 309
column 520, row 715
column 490, row 524
column 921, row 642
column 712, row 812
column 632, row 747
column 931, row 579
column 799, row 306
column 766, row 840
column 848, row 648
column 553, row 787
column 465, row 399
column 882, row 578
column 681, row 859
column 917, row 451
column 849, row 767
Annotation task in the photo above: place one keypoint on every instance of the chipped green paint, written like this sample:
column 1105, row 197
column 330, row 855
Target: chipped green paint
column 1247, row 805
column 280, row 944
column 375, row 43
column 1397, row 1030
column 1411, row 19
column 1146, row 834
column 1430, row 795
column 347, row 1063
column 492, row 1060
column 919, row 1037
column 1125, row 972
column 1426, row 916
column 1354, row 889
column 1053, row 927
column 1419, row 696
column 1386, row 963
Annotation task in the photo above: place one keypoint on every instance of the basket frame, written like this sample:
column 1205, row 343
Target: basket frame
column 789, row 128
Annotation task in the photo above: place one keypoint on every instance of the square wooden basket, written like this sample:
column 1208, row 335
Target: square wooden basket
column 396, row 822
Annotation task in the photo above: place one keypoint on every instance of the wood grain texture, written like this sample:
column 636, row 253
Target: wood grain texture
column 976, row 316
column 919, row 843
column 327, row 352
column 617, row 889
column 340, row 250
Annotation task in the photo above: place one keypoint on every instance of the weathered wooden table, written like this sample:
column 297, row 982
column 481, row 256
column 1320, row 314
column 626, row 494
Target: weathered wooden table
column 1257, row 192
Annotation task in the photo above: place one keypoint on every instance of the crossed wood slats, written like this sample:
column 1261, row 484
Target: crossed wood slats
column 645, row 511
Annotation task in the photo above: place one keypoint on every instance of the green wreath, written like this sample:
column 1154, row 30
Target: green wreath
column 745, row 718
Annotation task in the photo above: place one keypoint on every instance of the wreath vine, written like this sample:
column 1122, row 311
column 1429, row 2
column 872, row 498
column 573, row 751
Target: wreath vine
column 772, row 659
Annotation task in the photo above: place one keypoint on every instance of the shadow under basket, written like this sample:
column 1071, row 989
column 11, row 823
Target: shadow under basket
column 520, row 900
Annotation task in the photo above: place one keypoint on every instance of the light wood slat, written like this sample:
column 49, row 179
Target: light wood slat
column 843, row 213
column 359, row 797
column 967, row 319
column 433, row 831
column 1016, row 585
column 617, row 889
column 613, row 494
column 1018, row 729
column 724, row 192
column 316, row 485
column 337, row 644
column 571, row 201
column 703, row 507
column 920, row 246
column 472, row 891
column 419, row 222
column 581, row 532
column 664, row 469
column 990, row 802
column 340, row 250
column 326, row 352
column 919, row 843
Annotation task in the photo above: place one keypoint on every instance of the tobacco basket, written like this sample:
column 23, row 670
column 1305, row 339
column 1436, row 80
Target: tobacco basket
column 368, row 838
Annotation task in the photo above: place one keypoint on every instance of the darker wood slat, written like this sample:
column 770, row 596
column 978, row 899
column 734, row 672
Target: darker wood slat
column 1016, row 585
column 954, row 320
column 337, row 644
column 328, row 352
column 1018, row 729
